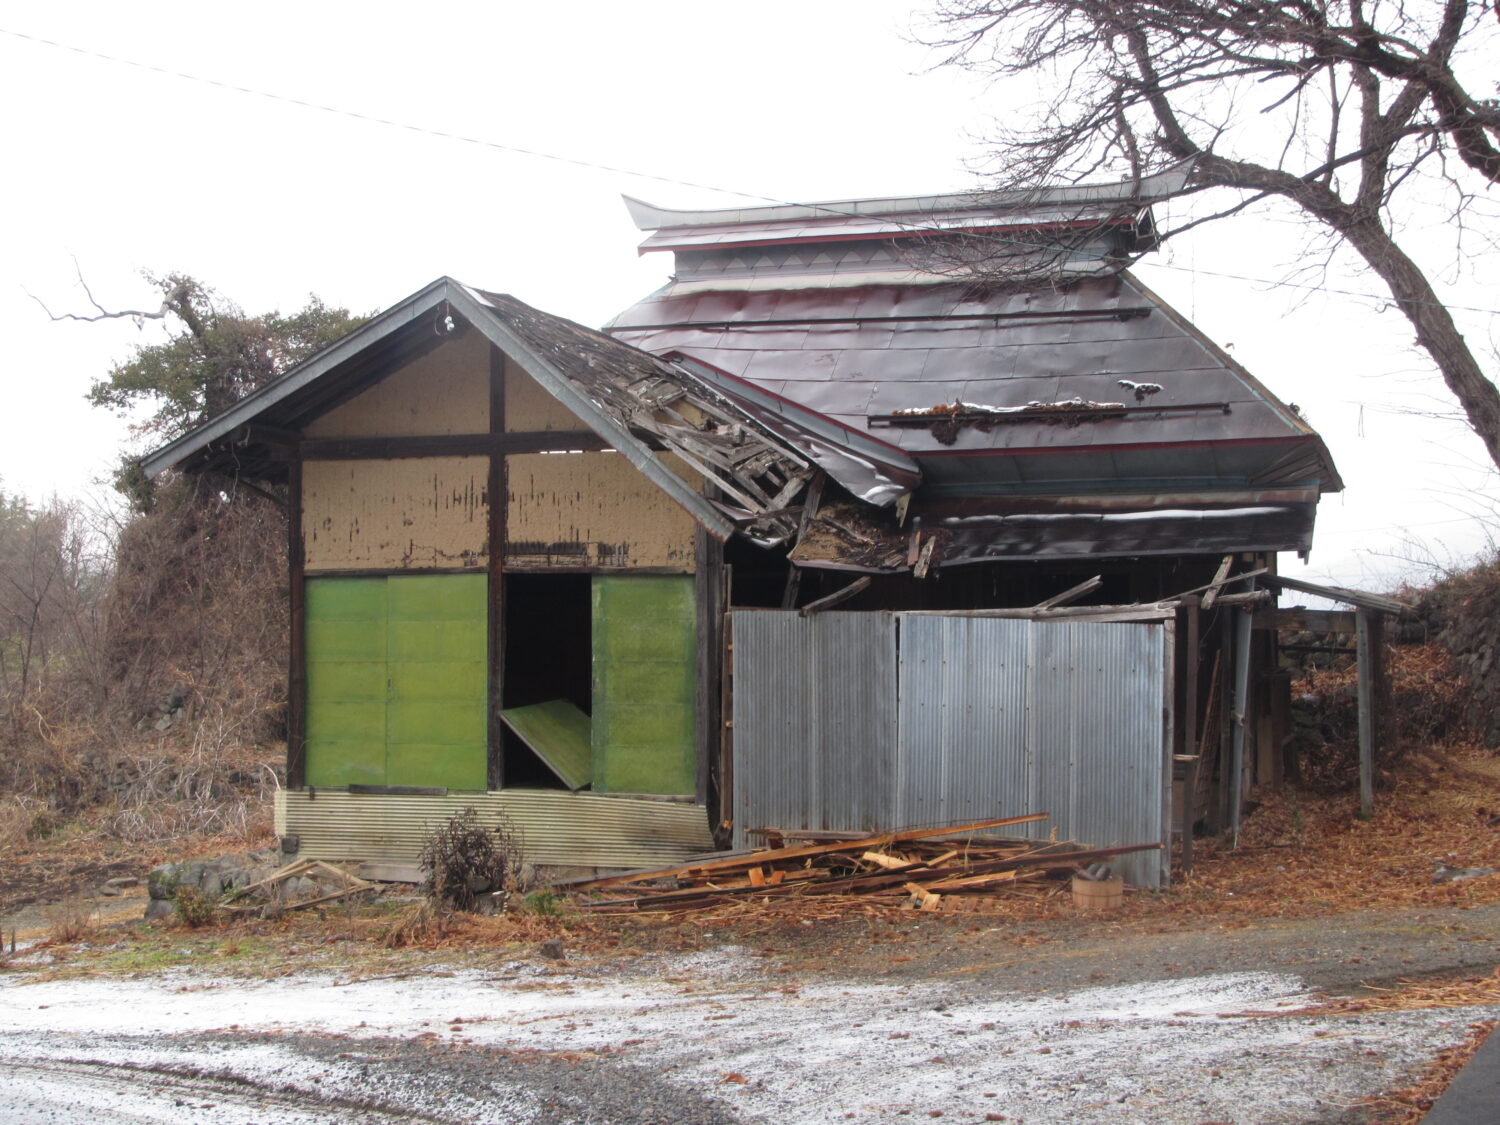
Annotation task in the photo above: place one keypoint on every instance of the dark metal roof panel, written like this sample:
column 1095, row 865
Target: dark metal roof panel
column 869, row 350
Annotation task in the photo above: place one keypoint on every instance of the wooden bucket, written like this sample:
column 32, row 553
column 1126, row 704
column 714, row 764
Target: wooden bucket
column 1098, row 894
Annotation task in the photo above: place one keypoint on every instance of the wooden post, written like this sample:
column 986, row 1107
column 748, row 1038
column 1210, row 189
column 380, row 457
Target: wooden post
column 1190, row 736
column 1241, row 720
column 708, row 593
column 296, row 664
column 1365, row 626
column 496, row 490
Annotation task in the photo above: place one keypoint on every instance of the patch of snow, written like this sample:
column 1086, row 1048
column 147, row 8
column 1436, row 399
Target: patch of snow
column 812, row 1052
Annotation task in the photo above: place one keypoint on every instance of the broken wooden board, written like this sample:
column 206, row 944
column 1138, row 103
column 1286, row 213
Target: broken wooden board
column 558, row 733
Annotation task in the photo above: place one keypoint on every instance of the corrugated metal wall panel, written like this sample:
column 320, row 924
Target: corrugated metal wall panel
column 557, row 828
column 1097, row 732
column 996, row 717
column 814, row 720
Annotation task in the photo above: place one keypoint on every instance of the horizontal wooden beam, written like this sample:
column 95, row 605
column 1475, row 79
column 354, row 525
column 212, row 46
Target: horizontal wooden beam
column 1305, row 620
column 449, row 445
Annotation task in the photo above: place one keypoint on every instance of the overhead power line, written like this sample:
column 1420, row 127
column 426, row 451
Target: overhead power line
column 595, row 166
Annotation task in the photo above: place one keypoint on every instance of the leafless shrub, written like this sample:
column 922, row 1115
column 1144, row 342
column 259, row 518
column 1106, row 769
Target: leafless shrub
column 69, row 922
column 464, row 859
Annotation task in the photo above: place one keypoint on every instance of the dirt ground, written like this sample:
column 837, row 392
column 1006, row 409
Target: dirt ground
column 1309, row 976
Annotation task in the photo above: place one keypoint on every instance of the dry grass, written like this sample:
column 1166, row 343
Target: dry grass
column 1410, row 1104
column 69, row 922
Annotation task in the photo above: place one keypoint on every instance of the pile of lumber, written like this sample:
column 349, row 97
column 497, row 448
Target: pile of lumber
column 953, row 867
column 298, row 885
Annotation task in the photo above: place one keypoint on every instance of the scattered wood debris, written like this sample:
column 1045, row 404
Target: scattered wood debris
column 295, row 887
column 956, row 867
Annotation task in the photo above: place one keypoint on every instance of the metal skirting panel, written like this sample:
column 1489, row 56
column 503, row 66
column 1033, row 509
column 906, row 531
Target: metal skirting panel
column 814, row 720
column 556, row 828
column 879, row 721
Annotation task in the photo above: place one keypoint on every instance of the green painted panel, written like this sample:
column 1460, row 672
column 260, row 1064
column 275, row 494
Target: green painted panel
column 560, row 734
column 339, row 720
column 437, row 640
column 333, row 763
column 460, row 682
column 396, row 681
column 644, row 736
column 437, row 597
column 351, row 681
column 345, row 599
column 413, row 719
column 426, row 763
column 338, row 640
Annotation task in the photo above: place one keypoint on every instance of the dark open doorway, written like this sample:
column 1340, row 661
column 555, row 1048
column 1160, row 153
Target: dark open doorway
column 548, row 656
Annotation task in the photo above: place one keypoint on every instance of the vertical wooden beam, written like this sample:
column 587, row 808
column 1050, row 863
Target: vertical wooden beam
column 708, row 590
column 1191, row 677
column 496, row 490
column 1364, row 619
column 296, row 664
column 1241, row 721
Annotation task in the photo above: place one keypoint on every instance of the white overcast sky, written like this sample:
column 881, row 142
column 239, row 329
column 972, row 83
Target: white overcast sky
column 127, row 169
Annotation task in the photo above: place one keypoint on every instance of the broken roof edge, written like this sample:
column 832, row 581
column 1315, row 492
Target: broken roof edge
column 1157, row 185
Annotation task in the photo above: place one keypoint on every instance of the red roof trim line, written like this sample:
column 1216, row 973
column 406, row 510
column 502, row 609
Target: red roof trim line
column 1113, row 447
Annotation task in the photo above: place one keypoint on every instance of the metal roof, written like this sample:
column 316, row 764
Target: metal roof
column 855, row 354
column 1159, row 185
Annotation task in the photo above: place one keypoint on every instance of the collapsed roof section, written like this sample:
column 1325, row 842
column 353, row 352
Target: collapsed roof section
column 634, row 402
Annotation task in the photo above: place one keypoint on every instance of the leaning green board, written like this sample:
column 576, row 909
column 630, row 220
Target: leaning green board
column 558, row 733
column 645, row 684
column 396, row 689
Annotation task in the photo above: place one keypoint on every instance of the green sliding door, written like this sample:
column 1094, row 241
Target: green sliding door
column 396, row 688
column 645, row 684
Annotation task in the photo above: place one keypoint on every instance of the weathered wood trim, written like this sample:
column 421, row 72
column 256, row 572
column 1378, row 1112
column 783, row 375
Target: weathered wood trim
column 296, row 687
column 384, row 571
column 1191, row 677
column 450, row 445
column 498, row 497
column 1306, row 620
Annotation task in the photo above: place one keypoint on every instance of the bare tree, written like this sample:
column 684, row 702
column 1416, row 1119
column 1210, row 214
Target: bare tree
column 1341, row 107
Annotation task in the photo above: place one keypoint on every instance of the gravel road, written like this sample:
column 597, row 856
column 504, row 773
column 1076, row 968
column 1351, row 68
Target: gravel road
column 1073, row 1023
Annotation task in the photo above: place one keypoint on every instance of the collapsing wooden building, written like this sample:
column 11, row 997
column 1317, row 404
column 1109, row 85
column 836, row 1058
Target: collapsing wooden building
column 588, row 580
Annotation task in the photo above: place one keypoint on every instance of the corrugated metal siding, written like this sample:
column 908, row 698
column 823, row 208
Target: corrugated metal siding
column 557, row 828
column 814, row 720
column 996, row 717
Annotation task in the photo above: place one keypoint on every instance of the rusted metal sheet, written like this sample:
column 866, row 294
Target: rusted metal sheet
column 814, row 721
column 556, row 828
column 861, row 538
column 395, row 515
column 592, row 510
column 445, row 391
column 996, row 717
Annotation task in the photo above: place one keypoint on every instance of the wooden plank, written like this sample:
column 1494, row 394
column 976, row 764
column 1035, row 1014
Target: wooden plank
column 841, row 595
column 560, row 735
column 296, row 688
column 1305, row 620
column 1359, row 598
column 1220, row 577
column 1192, row 674
column 1366, row 669
column 1071, row 594
column 495, row 599
column 776, row 855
